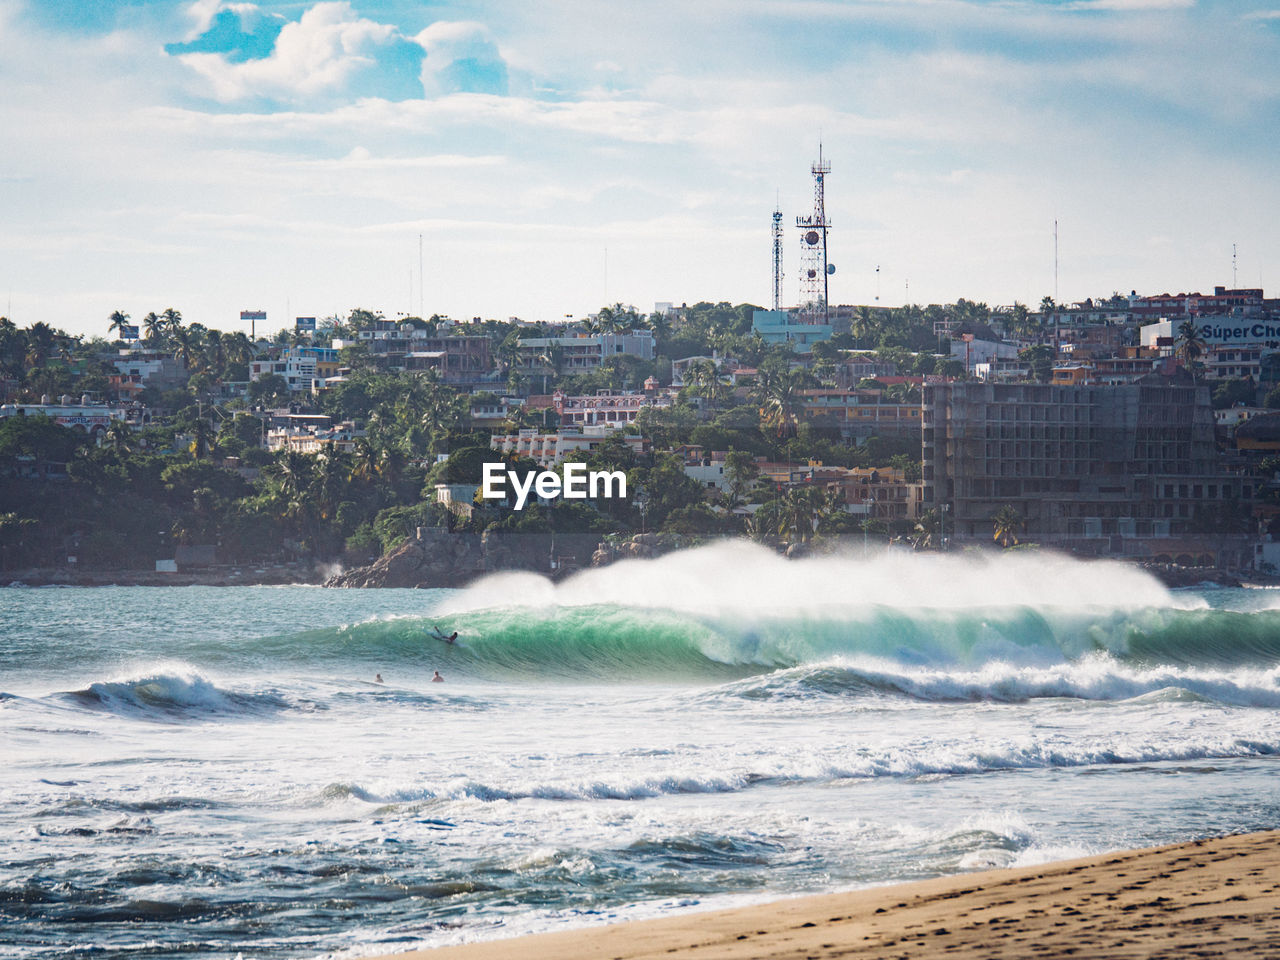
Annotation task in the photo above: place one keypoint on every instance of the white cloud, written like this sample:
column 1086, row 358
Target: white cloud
column 1135, row 6
column 462, row 56
column 316, row 55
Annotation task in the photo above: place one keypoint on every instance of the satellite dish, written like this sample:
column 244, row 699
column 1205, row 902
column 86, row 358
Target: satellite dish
column 831, row 268
column 811, row 237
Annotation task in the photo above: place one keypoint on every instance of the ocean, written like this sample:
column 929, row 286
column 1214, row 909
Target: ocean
column 215, row 772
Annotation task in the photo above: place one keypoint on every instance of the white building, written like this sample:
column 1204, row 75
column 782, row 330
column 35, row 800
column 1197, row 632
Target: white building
column 301, row 367
column 604, row 407
column 551, row 448
column 91, row 418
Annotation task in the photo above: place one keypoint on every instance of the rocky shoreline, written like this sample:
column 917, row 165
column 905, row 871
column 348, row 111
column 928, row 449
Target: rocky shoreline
column 241, row 576
column 437, row 558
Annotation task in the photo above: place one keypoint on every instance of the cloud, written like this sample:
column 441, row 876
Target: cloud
column 330, row 54
column 1131, row 6
column 239, row 32
column 462, row 57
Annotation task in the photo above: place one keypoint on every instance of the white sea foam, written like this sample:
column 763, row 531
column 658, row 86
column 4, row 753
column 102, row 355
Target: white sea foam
column 739, row 577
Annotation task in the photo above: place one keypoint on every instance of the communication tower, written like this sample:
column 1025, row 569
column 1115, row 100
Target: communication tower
column 777, row 259
column 814, row 268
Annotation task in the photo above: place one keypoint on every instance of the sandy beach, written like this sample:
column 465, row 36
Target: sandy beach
column 1208, row 898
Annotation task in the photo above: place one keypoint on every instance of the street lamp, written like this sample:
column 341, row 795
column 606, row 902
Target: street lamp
column 942, row 527
column 868, row 504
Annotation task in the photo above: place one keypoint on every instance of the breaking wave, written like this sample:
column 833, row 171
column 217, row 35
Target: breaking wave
column 170, row 696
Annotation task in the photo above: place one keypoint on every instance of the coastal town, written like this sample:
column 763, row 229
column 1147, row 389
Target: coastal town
column 1142, row 426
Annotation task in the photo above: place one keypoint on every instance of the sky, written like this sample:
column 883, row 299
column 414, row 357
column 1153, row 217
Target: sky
column 497, row 158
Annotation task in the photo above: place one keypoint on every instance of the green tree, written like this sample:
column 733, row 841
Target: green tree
column 740, row 473
column 782, row 400
column 117, row 322
column 1006, row 523
column 1191, row 346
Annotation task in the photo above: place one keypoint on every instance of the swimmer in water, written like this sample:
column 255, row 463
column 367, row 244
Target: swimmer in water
column 437, row 678
column 377, row 678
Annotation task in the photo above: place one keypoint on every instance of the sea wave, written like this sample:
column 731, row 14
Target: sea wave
column 737, row 610
column 1097, row 676
column 174, row 696
column 937, row 758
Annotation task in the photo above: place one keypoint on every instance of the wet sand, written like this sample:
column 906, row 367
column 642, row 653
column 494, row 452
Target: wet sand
column 1208, row 898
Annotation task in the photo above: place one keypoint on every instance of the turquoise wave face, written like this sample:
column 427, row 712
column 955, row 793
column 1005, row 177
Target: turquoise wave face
column 607, row 642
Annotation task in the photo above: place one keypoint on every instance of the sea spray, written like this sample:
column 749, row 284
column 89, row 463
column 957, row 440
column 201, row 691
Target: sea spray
column 741, row 577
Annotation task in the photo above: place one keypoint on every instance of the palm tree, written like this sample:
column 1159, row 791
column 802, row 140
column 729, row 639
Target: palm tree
column 172, row 318
column 117, row 322
column 660, row 324
column 782, row 404
column 702, row 379
column 119, row 435
column 928, row 530
column 331, row 483
column 214, row 356
column 41, row 341
column 864, row 324
column 154, row 327
column 1006, row 522
column 183, row 339
column 364, row 461
column 203, row 437
column 1018, row 318
column 802, row 511
column 1190, row 344
column 238, row 347
column 553, row 357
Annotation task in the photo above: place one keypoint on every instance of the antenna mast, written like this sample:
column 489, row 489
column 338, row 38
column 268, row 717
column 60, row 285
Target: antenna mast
column 777, row 259
column 1055, row 262
column 814, row 268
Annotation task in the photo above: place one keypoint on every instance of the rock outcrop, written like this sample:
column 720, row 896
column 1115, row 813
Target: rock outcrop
column 640, row 546
column 439, row 558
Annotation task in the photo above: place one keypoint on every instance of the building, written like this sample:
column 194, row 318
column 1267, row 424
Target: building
column 1002, row 370
column 969, row 350
column 852, row 370
column 861, row 413
column 1217, row 331
column 548, row 449
column 490, row 412
column 604, row 408
column 1102, row 470
column 314, row 437
column 151, row 369
column 1247, row 302
column 1131, row 364
column 779, row 326
column 880, row 493
column 581, row 353
column 302, row 367
column 704, row 467
column 90, row 418
column 457, row 359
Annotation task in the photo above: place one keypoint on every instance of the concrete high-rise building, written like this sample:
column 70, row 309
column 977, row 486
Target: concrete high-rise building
column 1129, row 470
